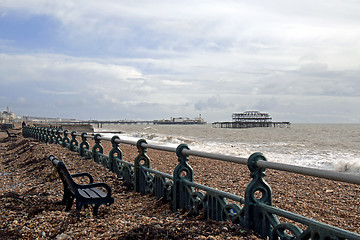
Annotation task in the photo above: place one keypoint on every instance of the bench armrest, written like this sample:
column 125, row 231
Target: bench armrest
column 85, row 174
column 97, row 185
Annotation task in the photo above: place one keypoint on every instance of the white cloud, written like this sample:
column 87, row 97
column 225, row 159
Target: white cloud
column 57, row 68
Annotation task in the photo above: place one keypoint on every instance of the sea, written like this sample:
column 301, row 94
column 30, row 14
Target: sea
column 325, row 146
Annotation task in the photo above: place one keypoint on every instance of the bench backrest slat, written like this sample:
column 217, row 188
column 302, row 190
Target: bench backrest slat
column 65, row 176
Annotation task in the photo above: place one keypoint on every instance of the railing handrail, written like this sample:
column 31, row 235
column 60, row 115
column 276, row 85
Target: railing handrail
column 314, row 172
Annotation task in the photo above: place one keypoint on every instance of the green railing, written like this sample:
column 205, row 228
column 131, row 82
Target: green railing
column 254, row 211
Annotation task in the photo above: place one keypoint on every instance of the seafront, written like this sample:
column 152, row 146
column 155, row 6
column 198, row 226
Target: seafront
column 32, row 189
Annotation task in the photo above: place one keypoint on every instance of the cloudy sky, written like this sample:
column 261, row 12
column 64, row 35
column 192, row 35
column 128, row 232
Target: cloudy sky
column 144, row 60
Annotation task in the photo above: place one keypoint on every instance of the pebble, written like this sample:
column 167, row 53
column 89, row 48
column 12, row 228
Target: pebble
column 63, row 236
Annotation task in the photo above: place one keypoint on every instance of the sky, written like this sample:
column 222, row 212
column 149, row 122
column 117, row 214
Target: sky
column 299, row 61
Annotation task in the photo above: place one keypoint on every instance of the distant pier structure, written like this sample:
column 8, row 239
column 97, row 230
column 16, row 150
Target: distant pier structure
column 250, row 119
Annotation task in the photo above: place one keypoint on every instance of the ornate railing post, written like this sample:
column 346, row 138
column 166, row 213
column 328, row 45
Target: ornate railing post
column 83, row 145
column 122, row 169
column 141, row 160
column 74, row 142
column 97, row 148
column 36, row 132
column 30, row 132
column 181, row 196
column 53, row 135
column 66, row 139
column 27, row 131
column 59, row 139
column 114, row 153
column 42, row 134
column 50, row 135
column 258, row 191
column 47, row 135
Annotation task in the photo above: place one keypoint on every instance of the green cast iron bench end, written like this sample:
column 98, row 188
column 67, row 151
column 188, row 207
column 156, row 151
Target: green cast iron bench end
column 85, row 194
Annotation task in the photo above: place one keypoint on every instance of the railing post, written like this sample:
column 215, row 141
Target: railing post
column 258, row 191
column 181, row 196
column 97, row 148
column 59, row 139
column 74, row 142
column 66, row 139
column 122, row 170
column 35, row 132
column 114, row 153
column 141, row 160
column 25, row 131
column 47, row 135
column 42, row 134
column 84, row 145
column 50, row 135
column 53, row 135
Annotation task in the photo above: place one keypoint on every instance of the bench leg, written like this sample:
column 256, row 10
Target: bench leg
column 67, row 195
column 69, row 203
column 78, row 206
column 95, row 209
column 65, row 200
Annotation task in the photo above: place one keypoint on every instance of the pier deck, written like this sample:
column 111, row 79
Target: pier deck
column 249, row 124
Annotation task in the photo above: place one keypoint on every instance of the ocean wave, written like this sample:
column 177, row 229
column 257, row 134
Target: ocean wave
column 301, row 146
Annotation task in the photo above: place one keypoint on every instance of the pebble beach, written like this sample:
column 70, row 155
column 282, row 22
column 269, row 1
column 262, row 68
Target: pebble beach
column 30, row 193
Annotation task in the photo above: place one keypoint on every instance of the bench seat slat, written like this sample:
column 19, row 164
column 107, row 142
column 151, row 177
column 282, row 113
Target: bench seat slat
column 92, row 193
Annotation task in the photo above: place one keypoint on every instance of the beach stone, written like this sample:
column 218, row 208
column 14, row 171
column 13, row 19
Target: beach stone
column 63, row 236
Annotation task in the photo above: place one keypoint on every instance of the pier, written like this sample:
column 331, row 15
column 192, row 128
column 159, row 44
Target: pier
column 250, row 119
column 100, row 124
column 171, row 121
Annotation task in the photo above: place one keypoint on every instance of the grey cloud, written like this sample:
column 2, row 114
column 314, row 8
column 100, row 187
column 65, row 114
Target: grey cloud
column 266, row 104
column 210, row 104
column 313, row 67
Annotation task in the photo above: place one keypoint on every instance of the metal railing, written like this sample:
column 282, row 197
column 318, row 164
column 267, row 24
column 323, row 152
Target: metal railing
column 254, row 211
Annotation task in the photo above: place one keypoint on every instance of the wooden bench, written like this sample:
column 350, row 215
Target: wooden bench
column 11, row 135
column 85, row 194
